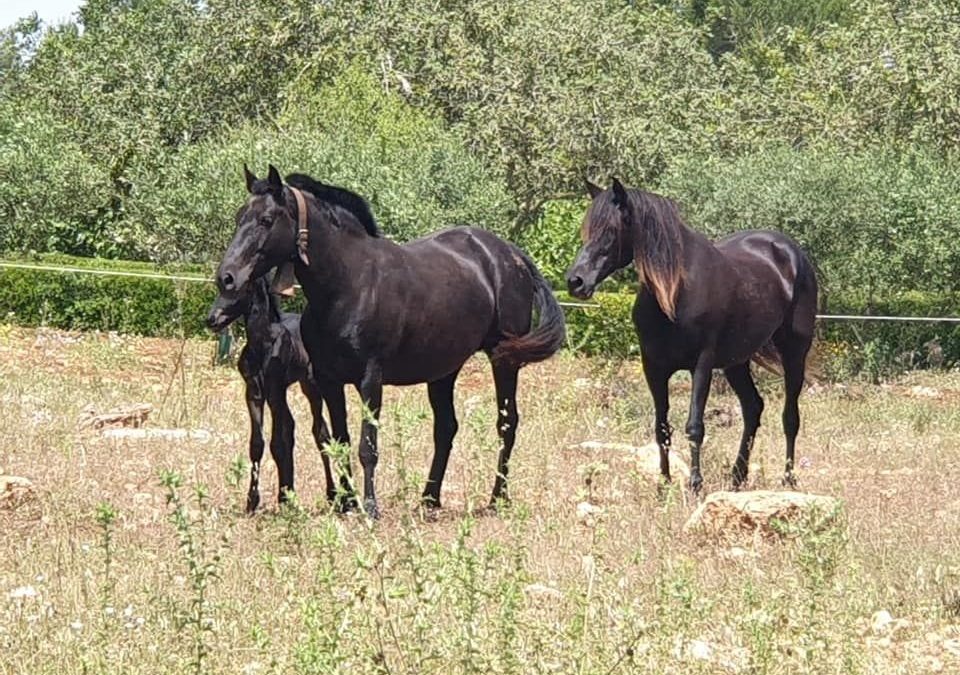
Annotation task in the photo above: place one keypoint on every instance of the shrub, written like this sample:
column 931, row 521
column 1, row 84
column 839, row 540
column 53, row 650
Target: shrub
column 77, row 301
column 603, row 327
column 877, row 220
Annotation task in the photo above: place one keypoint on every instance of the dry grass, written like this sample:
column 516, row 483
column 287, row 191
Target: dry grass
column 96, row 576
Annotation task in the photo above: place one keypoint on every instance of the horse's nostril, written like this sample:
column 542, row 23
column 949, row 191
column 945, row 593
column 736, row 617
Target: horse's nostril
column 575, row 282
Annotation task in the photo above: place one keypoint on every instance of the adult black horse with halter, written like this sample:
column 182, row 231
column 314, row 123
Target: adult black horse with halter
column 273, row 359
column 384, row 313
column 703, row 305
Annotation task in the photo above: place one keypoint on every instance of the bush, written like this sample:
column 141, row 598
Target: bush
column 52, row 197
column 605, row 329
column 881, row 348
column 877, row 220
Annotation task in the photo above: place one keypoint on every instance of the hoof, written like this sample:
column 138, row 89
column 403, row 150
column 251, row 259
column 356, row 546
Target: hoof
column 371, row 509
column 498, row 503
column 430, row 502
column 789, row 480
column 739, row 475
column 342, row 503
column 696, row 483
column 253, row 501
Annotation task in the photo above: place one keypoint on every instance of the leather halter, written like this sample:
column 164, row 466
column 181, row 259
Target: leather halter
column 285, row 278
column 302, row 230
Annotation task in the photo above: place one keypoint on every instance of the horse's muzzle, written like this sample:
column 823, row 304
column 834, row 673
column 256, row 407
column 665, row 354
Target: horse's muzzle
column 217, row 320
column 580, row 288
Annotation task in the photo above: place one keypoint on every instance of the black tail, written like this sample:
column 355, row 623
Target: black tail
column 547, row 338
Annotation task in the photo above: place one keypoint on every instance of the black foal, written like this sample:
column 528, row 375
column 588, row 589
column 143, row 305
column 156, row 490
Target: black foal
column 273, row 359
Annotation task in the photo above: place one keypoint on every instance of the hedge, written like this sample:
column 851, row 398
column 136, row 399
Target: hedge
column 78, row 301
column 172, row 308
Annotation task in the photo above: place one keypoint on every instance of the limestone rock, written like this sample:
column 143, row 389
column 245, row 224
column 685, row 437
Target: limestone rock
column 738, row 512
column 14, row 490
column 646, row 457
column 128, row 416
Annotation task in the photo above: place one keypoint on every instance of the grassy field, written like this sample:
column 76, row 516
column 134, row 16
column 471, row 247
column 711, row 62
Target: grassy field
column 135, row 556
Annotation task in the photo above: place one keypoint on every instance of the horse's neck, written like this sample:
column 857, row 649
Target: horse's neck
column 258, row 321
column 335, row 262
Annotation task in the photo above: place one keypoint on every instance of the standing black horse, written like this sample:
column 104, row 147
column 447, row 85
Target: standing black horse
column 381, row 313
column 704, row 305
column 273, row 359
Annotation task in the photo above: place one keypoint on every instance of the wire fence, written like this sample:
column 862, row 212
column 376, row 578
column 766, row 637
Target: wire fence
column 63, row 269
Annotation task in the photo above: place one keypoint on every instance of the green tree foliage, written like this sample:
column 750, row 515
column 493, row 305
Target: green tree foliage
column 836, row 121
column 416, row 173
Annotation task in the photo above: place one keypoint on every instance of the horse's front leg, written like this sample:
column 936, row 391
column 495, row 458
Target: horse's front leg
column 702, row 374
column 371, row 394
column 657, row 382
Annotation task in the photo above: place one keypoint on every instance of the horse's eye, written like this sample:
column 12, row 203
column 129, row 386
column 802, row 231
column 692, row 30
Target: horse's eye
column 265, row 221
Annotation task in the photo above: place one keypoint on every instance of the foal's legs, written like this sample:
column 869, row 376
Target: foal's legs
column 444, row 429
column 371, row 394
column 751, row 404
column 281, row 439
column 657, row 382
column 702, row 374
column 505, row 382
column 255, row 408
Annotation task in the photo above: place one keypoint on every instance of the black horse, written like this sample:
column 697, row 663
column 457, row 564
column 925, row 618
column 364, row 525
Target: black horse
column 383, row 313
column 273, row 359
column 704, row 305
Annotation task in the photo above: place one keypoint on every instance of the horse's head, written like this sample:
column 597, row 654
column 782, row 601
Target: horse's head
column 607, row 245
column 266, row 237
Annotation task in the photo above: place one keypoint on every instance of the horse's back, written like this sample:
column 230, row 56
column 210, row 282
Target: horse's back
column 766, row 259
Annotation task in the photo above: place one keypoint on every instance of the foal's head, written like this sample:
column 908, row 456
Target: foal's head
column 255, row 298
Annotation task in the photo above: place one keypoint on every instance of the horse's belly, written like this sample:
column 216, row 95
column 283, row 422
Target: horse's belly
column 414, row 366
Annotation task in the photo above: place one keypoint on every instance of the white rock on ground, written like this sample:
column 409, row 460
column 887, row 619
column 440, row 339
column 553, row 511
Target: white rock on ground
column 646, row 457
column 739, row 512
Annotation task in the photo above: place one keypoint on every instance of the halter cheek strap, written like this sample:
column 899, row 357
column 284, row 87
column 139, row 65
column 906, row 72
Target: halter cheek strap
column 301, row 225
column 283, row 281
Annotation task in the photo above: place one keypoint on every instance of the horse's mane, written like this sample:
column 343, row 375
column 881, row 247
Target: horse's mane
column 656, row 229
column 338, row 196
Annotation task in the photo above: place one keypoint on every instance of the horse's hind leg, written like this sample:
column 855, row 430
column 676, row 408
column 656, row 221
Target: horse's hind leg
column 505, row 381
column 255, row 408
column 751, row 404
column 793, row 352
column 444, row 429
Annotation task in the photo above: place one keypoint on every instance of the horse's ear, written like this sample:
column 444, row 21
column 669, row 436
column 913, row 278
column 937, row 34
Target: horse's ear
column 619, row 192
column 592, row 189
column 275, row 182
column 249, row 177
